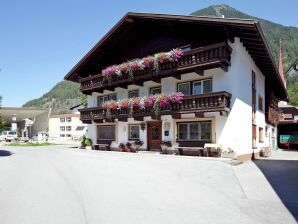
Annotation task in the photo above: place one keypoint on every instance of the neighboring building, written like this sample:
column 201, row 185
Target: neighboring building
column 227, row 73
column 66, row 127
column 288, row 127
column 27, row 121
column 293, row 69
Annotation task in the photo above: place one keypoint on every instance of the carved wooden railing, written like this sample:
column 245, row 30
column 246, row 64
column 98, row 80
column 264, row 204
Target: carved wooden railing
column 211, row 56
column 211, row 102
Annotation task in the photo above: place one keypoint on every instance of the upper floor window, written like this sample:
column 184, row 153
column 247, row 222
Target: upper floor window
column 68, row 119
column 62, row 128
column 260, row 103
column 102, row 99
column 195, row 87
column 155, row 90
column 133, row 93
column 62, row 119
column 68, row 128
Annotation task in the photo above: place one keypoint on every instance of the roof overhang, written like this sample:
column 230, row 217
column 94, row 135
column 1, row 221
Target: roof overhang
column 21, row 113
column 248, row 30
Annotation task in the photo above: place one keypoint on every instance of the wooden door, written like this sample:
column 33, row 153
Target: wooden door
column 154, row 135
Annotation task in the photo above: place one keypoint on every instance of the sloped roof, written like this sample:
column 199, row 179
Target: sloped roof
column 248, row 30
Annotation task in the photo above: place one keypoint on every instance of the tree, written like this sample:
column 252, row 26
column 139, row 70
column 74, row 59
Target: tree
column 293, row 94
column 2, row 122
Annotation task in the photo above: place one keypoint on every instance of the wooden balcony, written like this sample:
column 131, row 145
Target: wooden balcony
column 197, row 104
column 195, row 60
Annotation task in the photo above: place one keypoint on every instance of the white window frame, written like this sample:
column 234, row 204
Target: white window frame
column 133, row 125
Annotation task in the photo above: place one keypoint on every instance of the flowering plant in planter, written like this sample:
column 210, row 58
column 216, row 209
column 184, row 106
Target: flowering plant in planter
column 141, row 64
column 156, row 102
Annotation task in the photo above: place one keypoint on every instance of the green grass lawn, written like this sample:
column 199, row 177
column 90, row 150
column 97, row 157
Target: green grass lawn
column 30, row 144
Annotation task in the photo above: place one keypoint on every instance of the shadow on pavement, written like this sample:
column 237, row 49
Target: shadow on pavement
column 5, row 153
column 283, row 177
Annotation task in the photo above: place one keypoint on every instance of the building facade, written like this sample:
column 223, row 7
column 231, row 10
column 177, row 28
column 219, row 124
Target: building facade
column 66, row 127
column 223, row 69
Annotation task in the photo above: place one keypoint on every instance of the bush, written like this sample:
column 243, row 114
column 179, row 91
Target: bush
column 139, row 142
column 167, row 143
column 88, row 142
column 121, row 145
column 83, row 139
column 128, row 144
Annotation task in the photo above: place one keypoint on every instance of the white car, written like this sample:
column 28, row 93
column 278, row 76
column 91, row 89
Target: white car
column 8, row 136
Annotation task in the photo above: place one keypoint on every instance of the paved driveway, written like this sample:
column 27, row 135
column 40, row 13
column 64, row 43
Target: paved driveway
column 63, row 185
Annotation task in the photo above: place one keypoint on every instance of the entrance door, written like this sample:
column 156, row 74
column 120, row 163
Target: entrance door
column 154, row 135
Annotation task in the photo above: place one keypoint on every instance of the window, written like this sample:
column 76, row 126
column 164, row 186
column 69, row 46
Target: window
column 155, row 90
column 62, row 128
column 68, row 128
column 134, row 132
column 260, row 103
column 261, row 134
column 195, row 87
column 134, row 93
column 80, row 128
column 68, row 135
column 102, row 99
column 62, row 119
column 68, row 119
column 184, row 88
column 106, row 132
column 62, row 135
column 194, row 131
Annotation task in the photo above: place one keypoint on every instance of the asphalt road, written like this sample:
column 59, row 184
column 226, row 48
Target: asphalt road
column 53, row 185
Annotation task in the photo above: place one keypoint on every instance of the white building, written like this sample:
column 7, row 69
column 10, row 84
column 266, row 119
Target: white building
column 227, row 74
column 66, row 127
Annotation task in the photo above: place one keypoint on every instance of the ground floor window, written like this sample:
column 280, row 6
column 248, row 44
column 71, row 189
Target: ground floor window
column 134, row 131
column 106, row 132
column 62, row 135
column 194, row 131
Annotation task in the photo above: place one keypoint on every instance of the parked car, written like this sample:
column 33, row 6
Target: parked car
column 9, row 136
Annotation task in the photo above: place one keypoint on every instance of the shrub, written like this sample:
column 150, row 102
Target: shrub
column 128, row 144
column 139, row 142
column 88, row 142
column 121, row 145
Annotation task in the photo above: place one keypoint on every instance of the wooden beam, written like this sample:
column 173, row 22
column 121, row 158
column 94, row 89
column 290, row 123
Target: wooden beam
column 224, row 67
column 98, row 120
column 199, row 115
column 138, row 118
column 199, row 71
column 124, row 119
column 154, row 117
column 156, row 79
column 109, row 120
column 86, row 121
column 176, row 116
column 229, row 36
column 177, row 76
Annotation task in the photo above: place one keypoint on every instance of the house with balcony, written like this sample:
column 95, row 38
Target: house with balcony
column 185, row 79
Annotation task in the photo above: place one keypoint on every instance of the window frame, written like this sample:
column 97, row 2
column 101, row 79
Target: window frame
column 129, row 133
column 108, row 96
column 62, row 119
column 191, row 86
column 62, row 135
column 62, row 128
column 260, row 99
column 133, row 91
column 152, row 88
column 68, row 128
column 199, row 131
column 68, row 119
column 261, row 135
column 97, row 132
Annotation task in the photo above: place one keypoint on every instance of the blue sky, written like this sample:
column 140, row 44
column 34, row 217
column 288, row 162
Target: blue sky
column 41, row 40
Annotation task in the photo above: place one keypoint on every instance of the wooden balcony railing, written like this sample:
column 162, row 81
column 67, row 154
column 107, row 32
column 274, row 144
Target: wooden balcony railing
column 198, row 104
column 198, row 59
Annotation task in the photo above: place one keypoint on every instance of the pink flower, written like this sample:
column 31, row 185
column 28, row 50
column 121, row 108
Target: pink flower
column 123, row 103
column 176, row 97
column 136, row 101
column 164, row 101
column 104, row 105
column 148, row 62
column 113, row 105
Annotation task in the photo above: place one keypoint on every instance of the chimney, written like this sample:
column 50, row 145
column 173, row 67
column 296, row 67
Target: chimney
column 280, row 65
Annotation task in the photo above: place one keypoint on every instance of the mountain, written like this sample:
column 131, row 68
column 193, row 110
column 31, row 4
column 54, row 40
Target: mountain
column 60, row 98
column 273, row 32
